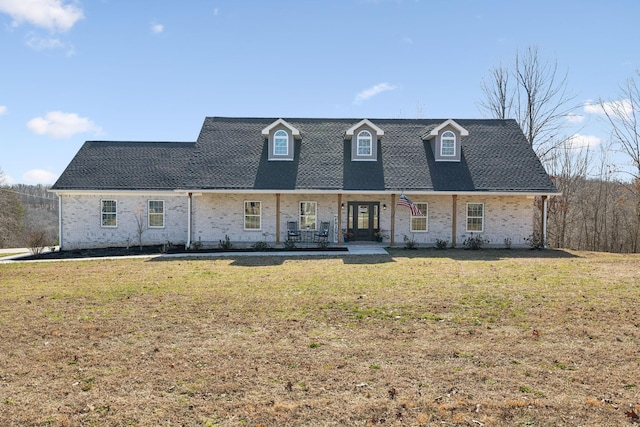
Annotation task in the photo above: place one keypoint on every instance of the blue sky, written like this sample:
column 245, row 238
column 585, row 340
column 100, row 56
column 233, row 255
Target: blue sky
column 153, row 70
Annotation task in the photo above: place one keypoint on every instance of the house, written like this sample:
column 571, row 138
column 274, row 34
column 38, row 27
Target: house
column 247, row 178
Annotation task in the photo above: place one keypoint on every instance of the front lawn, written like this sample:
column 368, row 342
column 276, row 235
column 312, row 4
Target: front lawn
column 416, row 338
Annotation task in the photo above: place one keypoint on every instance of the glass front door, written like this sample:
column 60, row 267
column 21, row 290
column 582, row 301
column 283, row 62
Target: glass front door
column 363, row 220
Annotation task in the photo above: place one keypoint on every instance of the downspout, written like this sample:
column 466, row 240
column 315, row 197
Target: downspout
column 60, row 221
column 188, row 245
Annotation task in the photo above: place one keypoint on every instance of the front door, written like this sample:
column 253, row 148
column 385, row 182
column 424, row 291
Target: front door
column 363, row 220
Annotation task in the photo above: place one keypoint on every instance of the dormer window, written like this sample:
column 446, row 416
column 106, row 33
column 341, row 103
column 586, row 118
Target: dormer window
column 364, row 143
column 446, row 140
column 280, row 137
column 364, row 137
column 448, row 144
column 281, row 143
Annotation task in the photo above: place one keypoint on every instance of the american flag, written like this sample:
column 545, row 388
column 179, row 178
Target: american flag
column 404, row 201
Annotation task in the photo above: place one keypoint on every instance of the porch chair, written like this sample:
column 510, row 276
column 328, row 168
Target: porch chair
column 293, row 232
column 323, row 233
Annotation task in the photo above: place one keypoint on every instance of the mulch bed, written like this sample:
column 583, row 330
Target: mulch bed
column 155, row 250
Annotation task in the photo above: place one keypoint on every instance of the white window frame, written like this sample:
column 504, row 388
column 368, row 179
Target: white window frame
column 481, row 217
column 309, row 218
column 155, row 214
column 364, row 143
column 450, row 138
column 247, row 215
column 424, row 208
column 278, row 138
column 103, row 213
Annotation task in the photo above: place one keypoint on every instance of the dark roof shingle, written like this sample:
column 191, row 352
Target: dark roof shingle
column 231, row 153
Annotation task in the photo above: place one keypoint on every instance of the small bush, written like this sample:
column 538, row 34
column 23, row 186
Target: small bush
column 535, row 240
column 226, row 243
column 507, row 243
column 474, row 242
column 289, row 245
column 410, row 243
column 323, row 244
column 260, row 246
column 37, row 241
column 442, row 244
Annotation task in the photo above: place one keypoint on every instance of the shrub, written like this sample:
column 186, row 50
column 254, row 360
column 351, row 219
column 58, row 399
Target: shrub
column 410, row 243
column 289, row 244
column 507, row 243
column 260, row 246
column 37, row 241
column 226, row 243
column 474, row 242
column 442, row 244
column 535, row 240
column 323, row 244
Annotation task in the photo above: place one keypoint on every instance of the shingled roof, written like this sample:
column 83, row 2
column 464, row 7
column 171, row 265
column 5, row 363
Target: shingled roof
column 232, row 154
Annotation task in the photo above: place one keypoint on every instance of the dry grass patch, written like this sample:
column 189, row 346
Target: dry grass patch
column 495, row 338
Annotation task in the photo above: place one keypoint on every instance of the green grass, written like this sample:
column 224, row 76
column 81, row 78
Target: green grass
column 414, row 338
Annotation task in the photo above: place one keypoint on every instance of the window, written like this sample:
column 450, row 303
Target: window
column 364, row 143
column 475, row 217
column 281, row 143
column 448, row 144
column 421, row 223
column 156, row 213
column 252, row 215
column 109, row 213
column 308, row 215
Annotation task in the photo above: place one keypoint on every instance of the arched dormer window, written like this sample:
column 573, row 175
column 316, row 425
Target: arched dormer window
column 364, row 142
column 448, row 144
column 281, row 143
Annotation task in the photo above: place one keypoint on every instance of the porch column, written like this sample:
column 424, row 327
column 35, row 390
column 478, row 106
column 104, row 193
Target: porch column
column 392, row 231
column 454, row 219
column 188, row 245
column 543, row 226
column 340, row 218
column 277, row 218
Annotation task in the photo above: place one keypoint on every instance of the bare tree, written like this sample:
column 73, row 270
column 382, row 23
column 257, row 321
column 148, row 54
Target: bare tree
column 140, row 226
column 498, row 102
column 538, row 99
column 623, row 120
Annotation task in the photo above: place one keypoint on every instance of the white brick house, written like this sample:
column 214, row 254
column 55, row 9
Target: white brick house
column 246, row 178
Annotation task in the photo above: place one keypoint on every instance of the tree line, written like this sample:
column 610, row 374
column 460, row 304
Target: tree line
column 599, row 208
column 27, row 212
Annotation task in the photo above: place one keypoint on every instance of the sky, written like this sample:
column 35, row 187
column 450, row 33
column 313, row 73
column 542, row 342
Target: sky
column 133, row 70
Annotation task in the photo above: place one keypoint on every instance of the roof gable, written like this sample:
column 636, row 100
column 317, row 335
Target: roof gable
column 365, row 122
column 434, row 131
column 266, row 131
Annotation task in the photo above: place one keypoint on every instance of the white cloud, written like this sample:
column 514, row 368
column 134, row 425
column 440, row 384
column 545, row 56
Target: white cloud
column 407, row 40
column 372, row 91
column 39, row 176
column 62, row 125
column 216, row 11
column 53, row 15
column 157, row 28
column 574, row 118
column 3, row 109
column 578, row 141
column 622, row 106
column 39, row 43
